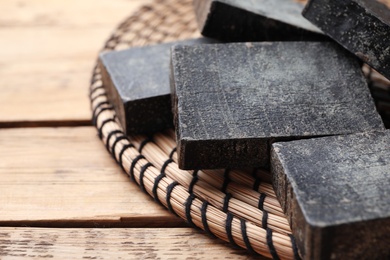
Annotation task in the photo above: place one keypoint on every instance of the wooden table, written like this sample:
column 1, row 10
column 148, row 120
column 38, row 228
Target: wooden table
column 61, row 194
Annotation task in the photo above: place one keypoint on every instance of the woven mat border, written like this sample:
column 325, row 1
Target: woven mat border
column 237, row 206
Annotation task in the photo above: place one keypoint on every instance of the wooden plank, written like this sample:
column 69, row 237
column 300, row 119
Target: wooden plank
column 65, row 177
column 124, row 243
column 333, row 192
column 360, row 26
column 231, row 101
column 48, row 49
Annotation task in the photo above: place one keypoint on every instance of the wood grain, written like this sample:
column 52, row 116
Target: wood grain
column 64, row 177
column 48, row 50
column 125, row 243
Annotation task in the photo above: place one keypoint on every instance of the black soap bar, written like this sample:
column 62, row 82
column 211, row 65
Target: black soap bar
column 231, row 101
column 335, row 192
column 361, row 26
column 137, row 84
column 253, row 20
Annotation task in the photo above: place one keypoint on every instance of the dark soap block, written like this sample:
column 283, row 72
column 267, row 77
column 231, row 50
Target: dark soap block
column 137, row 84
column 231, row 101
column 254, row 20
column 361, row 26
column 335, row 192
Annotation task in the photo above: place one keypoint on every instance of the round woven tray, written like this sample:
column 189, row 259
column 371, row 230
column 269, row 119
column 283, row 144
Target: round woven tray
column 236, row 206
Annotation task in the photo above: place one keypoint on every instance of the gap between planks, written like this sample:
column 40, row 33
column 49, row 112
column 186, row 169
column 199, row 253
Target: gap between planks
column 59, row 123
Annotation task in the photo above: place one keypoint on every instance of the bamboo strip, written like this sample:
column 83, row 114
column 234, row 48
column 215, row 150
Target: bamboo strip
column 205, row 190
column 180, row 195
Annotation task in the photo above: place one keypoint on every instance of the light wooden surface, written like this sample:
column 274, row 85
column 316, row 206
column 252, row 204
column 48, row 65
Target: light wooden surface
column 124, row 243
column 65, row 177
column 47, row 52
column 61, row 193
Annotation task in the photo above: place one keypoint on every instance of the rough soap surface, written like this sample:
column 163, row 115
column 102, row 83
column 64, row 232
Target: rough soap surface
column 361, row 26
column 232, row 100
column 335, row 192
column 137, row 83
column 254, row 20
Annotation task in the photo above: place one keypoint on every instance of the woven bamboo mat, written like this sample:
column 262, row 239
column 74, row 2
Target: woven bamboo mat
column 238, row 206
column 380, row 90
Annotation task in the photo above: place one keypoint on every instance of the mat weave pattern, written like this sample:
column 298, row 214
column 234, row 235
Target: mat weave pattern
column 237, row 206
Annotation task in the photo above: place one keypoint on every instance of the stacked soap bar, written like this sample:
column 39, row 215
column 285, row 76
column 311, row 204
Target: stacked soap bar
column 361, row 26
column 335, row 192
column 253, row 20
column 301, row 108
column 232, row 101
column 137, row 84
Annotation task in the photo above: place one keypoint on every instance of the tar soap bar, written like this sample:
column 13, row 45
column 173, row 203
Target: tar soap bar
column 231, row 101
column 253, row 20
column 361, row 26
column 137, row 84
column 335, row 192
